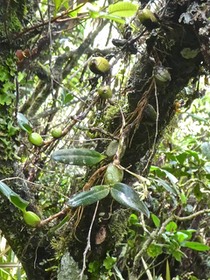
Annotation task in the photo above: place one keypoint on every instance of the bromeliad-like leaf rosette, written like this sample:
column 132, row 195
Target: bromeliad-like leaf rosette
column 122, row 193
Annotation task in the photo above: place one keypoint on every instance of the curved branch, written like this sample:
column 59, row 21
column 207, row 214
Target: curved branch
column 72, row 57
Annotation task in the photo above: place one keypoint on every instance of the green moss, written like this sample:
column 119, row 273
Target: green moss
column 12, row 14
column 15, row 24
column 111, row 112
column 6, row 170
column 7, row 132
column 118, row 225
column 59, row 244
column 8, row 129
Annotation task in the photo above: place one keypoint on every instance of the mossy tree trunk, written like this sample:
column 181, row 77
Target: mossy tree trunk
column 30, row 246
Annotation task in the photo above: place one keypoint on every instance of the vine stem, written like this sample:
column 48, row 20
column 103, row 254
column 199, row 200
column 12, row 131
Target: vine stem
column 88, row 246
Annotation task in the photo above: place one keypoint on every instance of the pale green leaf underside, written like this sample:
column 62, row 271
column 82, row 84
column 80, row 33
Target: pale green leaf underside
column 196, row 246
column 122, row 9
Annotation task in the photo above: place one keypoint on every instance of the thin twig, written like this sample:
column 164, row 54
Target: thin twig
column 88, row 246
column 55, row 216
column 190, row 217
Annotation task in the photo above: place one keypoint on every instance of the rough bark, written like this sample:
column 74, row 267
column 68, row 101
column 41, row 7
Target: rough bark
column 164, row 49
column 30, row 246
column 141, row 133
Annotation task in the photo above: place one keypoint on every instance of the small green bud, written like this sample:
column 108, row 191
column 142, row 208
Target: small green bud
column 162, row 75
column 148, row 19
column 31, row 218
column 35, row 139
column 113, row 175
column 105, row 92
column 99, row 65
column 112, row 148
column 56, row 132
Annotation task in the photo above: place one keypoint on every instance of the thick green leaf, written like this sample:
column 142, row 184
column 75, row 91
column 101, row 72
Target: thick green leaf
column 186, row 155
column 197, row 117
column 171, row 227
column 18, row 201
column 67, row 98
column 170, row 187
column 24, row 123
column 81, row 157
column 154, row 250
column 122, row 9
column 89, row 197
column 166, row 186
column 60, row 4
column 134, row 220
column 168, row 271
column 183, row 197
column 31, row 218
column 156, row 220
column 189, row 232
column 112, row 148
column 126, row 196
column 57, row 4
column 5, row 190
column 94, row 14
column 193, row 154
column 13, row 197
column 182, row 157
column 109, row 262
column 196, row 246
column 181, row 236
column 169, row 175
column 178, row 255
